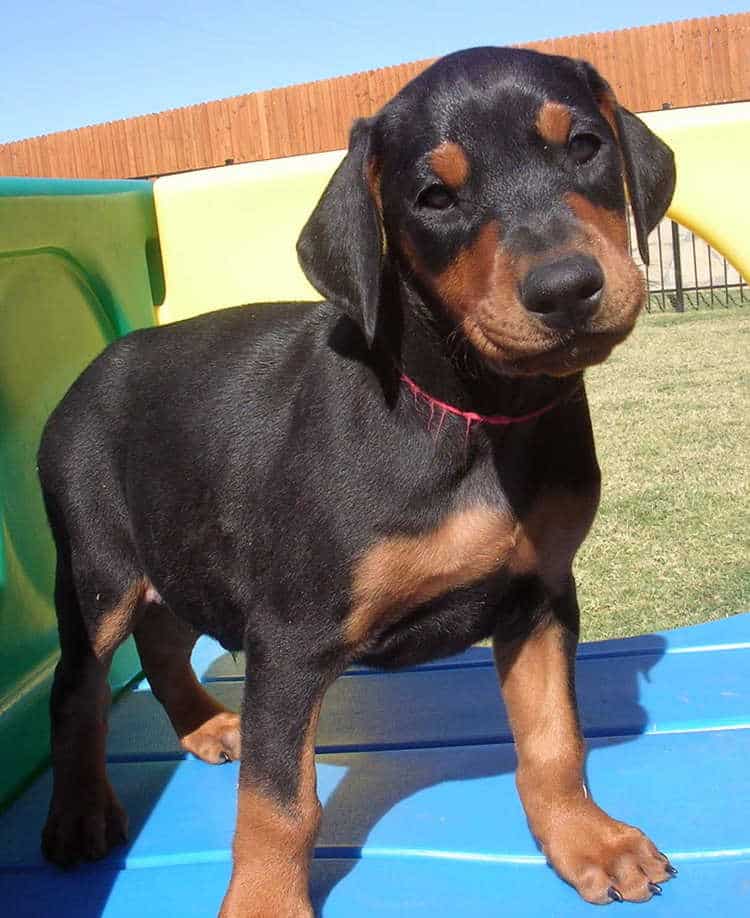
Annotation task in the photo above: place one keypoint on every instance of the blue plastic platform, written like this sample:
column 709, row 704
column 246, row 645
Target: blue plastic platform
column 415, row 771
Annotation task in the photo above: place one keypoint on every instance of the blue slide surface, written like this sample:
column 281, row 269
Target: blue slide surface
column 415, row 772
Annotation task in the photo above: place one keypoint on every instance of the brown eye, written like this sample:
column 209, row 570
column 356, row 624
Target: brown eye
column 436, row 197
column 582, row 148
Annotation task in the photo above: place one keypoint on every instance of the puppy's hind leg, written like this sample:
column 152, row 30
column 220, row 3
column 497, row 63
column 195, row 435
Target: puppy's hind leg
column 204, row 727
column 85, row 818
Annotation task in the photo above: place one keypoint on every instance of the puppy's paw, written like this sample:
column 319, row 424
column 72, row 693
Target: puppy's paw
column 217, row 740
column 83, row 825
column 605, row 860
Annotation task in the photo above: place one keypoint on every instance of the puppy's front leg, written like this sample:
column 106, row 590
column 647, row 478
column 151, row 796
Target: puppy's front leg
column 278, row 809
column 603, row 859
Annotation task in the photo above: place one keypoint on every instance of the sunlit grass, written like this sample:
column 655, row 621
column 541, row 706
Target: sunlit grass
column 671, row 412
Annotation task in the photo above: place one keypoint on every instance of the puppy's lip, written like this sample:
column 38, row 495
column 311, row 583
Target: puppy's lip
column 561, row 355
column 584, row 353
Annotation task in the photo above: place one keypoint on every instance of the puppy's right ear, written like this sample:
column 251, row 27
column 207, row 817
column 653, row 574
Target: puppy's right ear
column 340, row 248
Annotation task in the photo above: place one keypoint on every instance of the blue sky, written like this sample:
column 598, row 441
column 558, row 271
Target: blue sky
column 67, row 63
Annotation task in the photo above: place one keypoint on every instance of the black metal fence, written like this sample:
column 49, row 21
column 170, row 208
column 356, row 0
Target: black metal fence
column 686, row 273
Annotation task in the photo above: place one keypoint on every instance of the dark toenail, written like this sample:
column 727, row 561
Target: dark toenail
column 614, row 894
column 655, row 888
column 672, row 871
column 225, row 757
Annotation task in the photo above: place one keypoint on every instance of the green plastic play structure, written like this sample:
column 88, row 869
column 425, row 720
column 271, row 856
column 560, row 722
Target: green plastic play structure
column 79, row 266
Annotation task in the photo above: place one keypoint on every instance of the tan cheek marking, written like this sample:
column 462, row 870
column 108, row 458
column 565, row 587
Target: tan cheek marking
column 481, row 270
column 609, row 223
column 553, row 122
column 480, row 290
column 604, row 234
column 450, row 163
column 116, row 624
column 552, row 532
column 468, row 277
column 402, row 572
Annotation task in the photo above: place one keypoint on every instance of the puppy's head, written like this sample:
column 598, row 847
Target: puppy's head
column 495, row 183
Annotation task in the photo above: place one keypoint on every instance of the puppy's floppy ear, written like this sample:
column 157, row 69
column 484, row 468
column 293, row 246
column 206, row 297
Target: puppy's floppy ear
column 649, row 163
column 340, row 248
column 649, row 172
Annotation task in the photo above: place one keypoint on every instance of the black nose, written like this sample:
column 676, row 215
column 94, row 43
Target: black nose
column 564, row 292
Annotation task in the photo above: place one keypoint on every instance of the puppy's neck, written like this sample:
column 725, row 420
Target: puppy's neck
column 444, row 366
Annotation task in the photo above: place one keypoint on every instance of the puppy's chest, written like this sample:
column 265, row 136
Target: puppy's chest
column 400, row 573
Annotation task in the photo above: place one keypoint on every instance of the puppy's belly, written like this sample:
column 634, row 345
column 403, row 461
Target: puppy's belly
column 208, row 614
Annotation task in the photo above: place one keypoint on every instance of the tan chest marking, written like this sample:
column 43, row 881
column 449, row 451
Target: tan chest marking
column 402, row 572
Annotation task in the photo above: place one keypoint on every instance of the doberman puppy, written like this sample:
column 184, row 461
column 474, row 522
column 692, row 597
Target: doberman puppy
column 385, row 477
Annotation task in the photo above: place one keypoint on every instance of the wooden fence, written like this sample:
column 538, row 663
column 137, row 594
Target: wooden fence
column 692, row 62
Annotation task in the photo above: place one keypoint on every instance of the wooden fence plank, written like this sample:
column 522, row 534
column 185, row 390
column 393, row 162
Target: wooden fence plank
column 691, row 62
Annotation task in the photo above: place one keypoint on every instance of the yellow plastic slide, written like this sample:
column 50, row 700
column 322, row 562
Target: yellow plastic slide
column 712, row 198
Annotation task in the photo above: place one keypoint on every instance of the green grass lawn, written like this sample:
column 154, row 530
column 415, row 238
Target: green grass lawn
column 671, row 412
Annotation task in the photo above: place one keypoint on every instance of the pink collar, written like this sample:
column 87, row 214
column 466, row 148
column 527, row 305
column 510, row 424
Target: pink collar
column 470, row 417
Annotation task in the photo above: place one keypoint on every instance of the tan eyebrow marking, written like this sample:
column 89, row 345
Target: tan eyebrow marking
column 553, row 122
column 450, row 163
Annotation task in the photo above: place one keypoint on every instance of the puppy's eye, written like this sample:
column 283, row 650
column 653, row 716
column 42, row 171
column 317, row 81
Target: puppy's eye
column 582, row 148
column 436, row 197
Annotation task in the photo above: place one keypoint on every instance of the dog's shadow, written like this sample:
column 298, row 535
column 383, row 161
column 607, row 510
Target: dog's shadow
column 407, row 762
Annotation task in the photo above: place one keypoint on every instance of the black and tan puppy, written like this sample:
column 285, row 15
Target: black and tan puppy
column 388, row 476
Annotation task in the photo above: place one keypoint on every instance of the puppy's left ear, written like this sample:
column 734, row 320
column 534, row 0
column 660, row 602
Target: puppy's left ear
column 649, row 172
column 340, row 248
column 649, row 163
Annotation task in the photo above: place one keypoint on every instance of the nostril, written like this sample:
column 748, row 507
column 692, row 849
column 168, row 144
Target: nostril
column 567, row 289
column 590, row 285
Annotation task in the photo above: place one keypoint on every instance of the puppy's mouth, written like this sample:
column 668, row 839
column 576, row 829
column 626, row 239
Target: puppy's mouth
column 582, row 351
column 561, row 354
